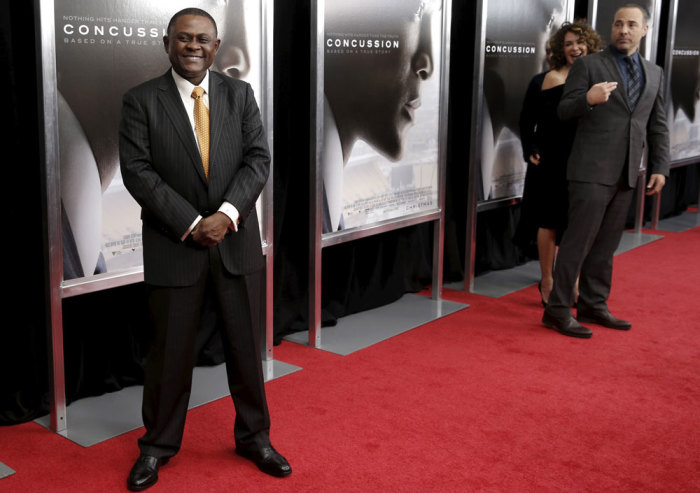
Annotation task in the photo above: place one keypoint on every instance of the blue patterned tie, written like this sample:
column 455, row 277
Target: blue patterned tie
column 634, row 82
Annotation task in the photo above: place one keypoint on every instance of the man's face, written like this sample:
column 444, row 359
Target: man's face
column 628, row 30
column 393, row 87
column 375, row 96
column 191, row 45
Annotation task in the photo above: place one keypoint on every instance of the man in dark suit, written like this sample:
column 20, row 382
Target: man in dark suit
column 193, row 154
column 618, row 98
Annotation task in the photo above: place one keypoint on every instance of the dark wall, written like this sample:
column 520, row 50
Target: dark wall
column 23, row 341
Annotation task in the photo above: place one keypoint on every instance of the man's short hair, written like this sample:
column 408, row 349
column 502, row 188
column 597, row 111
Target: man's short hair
column 191, row 11
column 631, row 5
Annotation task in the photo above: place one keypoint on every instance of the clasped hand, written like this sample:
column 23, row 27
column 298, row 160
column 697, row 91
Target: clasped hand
column 211, row 230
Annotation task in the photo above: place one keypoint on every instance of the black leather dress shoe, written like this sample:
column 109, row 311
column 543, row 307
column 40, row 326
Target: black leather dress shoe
column 567, row 326
column 144, row 474
column 268, row 460
column 602, row 317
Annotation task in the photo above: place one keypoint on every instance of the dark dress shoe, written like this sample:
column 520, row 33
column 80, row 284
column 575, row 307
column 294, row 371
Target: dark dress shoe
column 268, row 460
column 144, row 474
column 602, row 317
column 567, row 326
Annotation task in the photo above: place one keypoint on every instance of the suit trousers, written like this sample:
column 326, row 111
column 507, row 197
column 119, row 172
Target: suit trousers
column 597, row 215
column 176, row 315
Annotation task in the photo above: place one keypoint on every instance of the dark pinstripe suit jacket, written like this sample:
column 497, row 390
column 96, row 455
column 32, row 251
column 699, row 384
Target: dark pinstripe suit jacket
column 610, row 135
column 162, row 169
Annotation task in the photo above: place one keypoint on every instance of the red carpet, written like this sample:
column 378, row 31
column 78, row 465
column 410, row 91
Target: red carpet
column 486, row 399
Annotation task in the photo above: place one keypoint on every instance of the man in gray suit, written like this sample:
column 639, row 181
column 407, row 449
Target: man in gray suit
column 618, row 99
column 194, row 155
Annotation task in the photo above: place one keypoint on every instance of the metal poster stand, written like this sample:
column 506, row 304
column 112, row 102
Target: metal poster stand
column 474, row 144
column 317, row 239
column 52, row 207
column 316, row 184
column 58, row 288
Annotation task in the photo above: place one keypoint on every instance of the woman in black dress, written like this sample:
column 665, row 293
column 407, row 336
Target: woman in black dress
column 546, row 144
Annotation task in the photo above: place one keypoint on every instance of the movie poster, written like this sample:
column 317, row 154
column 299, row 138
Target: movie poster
column 381, row 110
column 684, row 107
column 103, row 48
column 514, row 52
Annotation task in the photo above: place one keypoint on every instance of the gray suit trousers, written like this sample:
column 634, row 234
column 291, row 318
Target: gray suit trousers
column 597, row 215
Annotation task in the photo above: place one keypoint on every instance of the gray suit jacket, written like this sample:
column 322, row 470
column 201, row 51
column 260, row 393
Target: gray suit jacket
column 610, row 135
column 162, row 169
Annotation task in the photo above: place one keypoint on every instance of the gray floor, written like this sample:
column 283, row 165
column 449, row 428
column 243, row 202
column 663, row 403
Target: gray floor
column 499, row 283
column 632, row 240
column 95, row 419
column 681, row 223
column 362, row 330
column 5, row 471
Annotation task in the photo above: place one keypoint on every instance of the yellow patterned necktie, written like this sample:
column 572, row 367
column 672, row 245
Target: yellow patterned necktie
column 201, row 126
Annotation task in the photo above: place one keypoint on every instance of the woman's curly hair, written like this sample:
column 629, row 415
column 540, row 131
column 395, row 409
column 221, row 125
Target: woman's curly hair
column 583, row 30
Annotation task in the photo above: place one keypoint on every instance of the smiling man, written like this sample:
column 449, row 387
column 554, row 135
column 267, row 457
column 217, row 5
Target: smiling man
column 194, row 155
column 617, row 99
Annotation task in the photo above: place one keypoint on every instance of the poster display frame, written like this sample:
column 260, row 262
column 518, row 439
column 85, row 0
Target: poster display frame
column 671, row 27
column 479, row 69
column 56, row 287
column 474, row 205
column 668, row 66
column 319, row 240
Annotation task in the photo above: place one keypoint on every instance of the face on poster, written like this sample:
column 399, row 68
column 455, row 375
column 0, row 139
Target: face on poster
column 104, row 48
column 684, row 113
column 514, row 52
column 381, row 111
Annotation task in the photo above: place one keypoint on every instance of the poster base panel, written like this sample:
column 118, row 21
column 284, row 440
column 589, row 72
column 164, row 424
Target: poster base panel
column 5, row 471
column 631, row 240
column 679, row 224
column 95, row 419
column 498, row 283
column 361, row 330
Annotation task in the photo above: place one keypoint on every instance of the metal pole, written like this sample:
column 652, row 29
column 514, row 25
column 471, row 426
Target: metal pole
column 316, row 184
column 48, row 115
column 655, row 210
column 267, row 83
column 639, row 207
column 439, row 225
column 475, row 147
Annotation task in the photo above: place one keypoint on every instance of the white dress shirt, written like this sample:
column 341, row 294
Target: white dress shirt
column 185, row 88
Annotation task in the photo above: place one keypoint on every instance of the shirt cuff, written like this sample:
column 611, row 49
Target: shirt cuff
column 230, row 210
column 189, row 230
